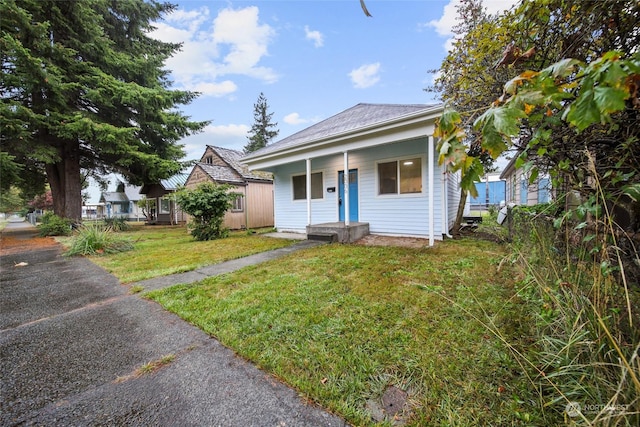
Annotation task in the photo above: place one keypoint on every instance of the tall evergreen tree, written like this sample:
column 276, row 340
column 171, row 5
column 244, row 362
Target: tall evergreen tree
column 83, row 89
column 262, row 131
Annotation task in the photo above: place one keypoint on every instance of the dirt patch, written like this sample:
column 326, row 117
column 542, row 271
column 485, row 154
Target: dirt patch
column 10, row 244
column 406, row 242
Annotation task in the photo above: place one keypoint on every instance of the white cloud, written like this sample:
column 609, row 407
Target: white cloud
column 215, row 89
column 233, row 43
column 365, row 76
column 316, row 36
column 295, row 119
column 444, row 25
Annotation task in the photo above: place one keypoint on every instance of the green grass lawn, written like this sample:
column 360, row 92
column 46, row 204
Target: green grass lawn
column 163, row 250
column 341, row 323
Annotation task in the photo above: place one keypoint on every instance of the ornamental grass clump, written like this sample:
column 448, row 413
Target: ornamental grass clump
column 96, row 239
column 117, row 224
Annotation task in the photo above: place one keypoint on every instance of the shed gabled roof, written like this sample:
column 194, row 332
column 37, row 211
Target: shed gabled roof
column 351, row 124
column 233, row 159
column 220, row 173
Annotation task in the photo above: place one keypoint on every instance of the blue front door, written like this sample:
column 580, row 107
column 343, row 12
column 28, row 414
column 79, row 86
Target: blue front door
column 353, row 194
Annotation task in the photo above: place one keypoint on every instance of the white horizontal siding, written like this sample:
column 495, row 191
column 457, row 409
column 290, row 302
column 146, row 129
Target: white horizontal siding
column 401, row 215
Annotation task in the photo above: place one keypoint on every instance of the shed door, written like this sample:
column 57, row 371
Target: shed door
column 353, row 195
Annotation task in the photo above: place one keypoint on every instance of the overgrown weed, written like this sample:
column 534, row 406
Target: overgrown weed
column 585, row 355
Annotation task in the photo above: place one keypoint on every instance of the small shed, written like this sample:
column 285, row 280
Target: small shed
column 222, row 166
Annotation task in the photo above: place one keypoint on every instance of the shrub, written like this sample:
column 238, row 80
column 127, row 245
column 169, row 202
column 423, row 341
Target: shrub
column 207, row 205
column 53, row 225
column 93, row 239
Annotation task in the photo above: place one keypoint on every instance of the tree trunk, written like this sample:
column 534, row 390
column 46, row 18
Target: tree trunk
column 73, row 186
column 56, row 183
column 65, row 182
column 460, row 213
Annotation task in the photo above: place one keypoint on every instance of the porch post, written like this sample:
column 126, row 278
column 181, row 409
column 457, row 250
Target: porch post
column 430, row 173
column 308, row 182
column 345, row 184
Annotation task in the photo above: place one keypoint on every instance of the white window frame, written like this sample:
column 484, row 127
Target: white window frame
column 238, row 204
column 293, row 193
column 423, row 177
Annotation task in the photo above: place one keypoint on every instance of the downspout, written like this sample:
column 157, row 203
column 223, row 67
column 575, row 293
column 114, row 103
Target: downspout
column 431, row 189
column 245, row 206
column 308, row 182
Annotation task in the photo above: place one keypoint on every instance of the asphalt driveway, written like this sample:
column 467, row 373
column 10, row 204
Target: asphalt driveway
column 74, row 342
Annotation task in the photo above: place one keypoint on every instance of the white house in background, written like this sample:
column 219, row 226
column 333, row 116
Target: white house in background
column 518, row 190
column 393, row 185
column 122, row 203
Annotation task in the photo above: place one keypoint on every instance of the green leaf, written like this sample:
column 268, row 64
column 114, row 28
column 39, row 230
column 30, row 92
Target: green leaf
column 609, row 99
column 507, row 120
column 584, row 112
column 562, row 68
column 633, row 191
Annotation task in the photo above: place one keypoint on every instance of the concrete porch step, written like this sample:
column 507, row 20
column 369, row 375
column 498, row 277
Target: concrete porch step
column 344, row 233
column 323, row 237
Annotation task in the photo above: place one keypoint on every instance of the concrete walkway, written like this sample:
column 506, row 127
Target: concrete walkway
column 224, row 267
column 72, row 342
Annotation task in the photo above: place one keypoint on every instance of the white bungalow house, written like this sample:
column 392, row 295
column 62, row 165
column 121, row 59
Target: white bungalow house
column 393, row 185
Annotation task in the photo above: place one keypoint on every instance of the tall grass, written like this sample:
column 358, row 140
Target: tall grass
column 585, row 357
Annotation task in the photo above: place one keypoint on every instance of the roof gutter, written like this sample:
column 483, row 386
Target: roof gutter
column 409, row 121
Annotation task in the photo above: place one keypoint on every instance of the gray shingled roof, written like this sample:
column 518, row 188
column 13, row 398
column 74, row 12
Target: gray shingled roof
column 221, row 173
column 232, row 157
column 133, row 192
column 113, row 196
column 356, row 117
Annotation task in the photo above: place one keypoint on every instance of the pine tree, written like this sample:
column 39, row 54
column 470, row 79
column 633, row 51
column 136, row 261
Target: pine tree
column 262, row 131
column 83, row 89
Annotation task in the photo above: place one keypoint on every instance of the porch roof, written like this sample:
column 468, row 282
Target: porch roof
column 361, row 126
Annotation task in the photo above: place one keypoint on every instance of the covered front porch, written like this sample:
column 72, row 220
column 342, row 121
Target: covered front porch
column 338, row 231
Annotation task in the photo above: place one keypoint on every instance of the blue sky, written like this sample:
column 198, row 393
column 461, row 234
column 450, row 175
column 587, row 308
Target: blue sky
column 311, row 59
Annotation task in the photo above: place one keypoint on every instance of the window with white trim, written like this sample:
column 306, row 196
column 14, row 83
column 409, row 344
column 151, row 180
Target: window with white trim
column 300, row 186
column 237, row 205
column 402, row 176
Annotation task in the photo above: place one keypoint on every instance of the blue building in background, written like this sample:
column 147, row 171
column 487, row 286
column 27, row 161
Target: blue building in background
column 491, row 192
